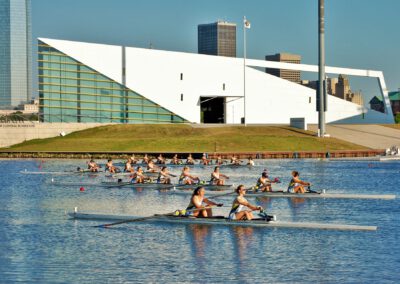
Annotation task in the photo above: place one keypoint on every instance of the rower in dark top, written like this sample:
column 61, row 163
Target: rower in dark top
column 296, row 185
column 264, row 183
column 145, row 159
column 204, row 160
column 198, row 201
column 239, row 210
column 219, row 161
column 133, row 159
column 217, row 178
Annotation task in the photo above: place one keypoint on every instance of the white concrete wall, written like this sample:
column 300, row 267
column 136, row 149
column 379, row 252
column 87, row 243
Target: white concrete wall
column 13, row 133
column 155, row 74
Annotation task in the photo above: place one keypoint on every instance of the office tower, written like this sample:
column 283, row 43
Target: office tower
column 342, row 87
column 290, row 75
column 331, row 86
column 217, row 39
column 15, row 52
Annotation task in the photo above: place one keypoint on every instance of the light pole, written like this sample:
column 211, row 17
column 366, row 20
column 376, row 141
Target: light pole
column 321, row 93
column 246, row 25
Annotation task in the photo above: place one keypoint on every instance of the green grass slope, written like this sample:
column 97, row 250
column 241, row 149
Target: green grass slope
column 185, row 138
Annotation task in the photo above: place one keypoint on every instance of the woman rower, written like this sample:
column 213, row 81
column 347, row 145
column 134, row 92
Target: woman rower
column 250, row 162
column 145, row 159
column 175, row 160
column 160, row 159
column 196, row 206
column 296, row 185
column 128, row 166
column 187, row 178
column 152, row 168
column 239, row 211
column 110, row 167
column 219, row 161
column 204, row 160
column 93, row 166
column 264, row 183
column 164, row 176
column 217, row 178
column 138, row 176
column 190, row 160
column 133, row 159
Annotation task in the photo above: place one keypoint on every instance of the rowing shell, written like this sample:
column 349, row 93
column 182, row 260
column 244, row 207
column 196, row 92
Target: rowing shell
column 59, row 173
column 306, row 195
column 222, row 221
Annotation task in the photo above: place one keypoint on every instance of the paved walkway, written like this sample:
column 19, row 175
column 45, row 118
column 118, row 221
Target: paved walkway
column 368, row 135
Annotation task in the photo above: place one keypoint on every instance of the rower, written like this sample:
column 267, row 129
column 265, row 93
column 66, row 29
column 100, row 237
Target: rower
column 138, row 176
column 219, row 161
column 110, row 167
column 160, row 159
column 198, row 201
column 190, row 160
column 187, row 178
column 145, row 159
column 128, row 166
column 296, row 185
column 92, row 166
column 152, row 168
column 235, row 161
column 204, row 160
column 133, row 159
column 238, row 210
column 164, row 176
column 217, row 178
column 264, row 183
column 175, row 160
column 250, row 162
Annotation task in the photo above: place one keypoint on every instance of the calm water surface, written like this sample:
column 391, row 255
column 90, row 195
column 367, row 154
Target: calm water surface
column 38, row 243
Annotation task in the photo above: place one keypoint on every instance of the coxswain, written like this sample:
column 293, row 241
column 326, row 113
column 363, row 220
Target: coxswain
column 164, row 176
column 217, row 178
column 128, row 166
column 92, row 166
column 241, row 208
column 187, row 178
column 296, row 185
column 198, row 204
column 190, row 160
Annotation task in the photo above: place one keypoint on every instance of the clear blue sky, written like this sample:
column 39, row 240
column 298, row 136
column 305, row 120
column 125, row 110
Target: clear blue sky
column 359, row 33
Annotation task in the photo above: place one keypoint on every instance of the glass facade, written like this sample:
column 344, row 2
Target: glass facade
column 70, row 91
column 15, row 52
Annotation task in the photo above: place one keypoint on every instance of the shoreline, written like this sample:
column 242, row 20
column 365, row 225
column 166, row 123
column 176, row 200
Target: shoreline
column 196, row 155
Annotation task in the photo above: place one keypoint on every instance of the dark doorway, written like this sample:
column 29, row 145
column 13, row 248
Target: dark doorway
column 212, row 109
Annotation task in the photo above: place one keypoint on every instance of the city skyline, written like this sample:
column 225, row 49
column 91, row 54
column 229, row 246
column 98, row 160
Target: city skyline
column 357, row 35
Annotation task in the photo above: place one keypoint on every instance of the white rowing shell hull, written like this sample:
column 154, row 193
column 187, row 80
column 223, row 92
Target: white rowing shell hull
column 224, row 221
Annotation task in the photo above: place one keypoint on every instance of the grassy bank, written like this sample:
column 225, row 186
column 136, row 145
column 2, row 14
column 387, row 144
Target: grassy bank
column 184, row 138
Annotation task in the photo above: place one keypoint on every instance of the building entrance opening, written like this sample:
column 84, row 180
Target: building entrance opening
column 212, row 109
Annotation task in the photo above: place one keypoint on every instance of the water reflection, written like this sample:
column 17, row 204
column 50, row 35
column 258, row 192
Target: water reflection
column 199, row 236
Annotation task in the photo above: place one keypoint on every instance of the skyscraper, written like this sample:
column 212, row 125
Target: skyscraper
column 291, row 75
column 15, row 52
column 217, row 38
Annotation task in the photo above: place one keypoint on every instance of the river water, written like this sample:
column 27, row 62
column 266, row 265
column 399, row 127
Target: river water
column 40, row 244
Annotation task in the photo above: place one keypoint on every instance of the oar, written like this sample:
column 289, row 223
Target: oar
column 150, row 217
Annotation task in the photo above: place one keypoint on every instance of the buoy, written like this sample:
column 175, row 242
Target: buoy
column 82, row 188
column 52, row 179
